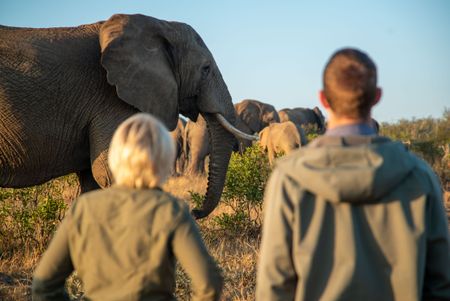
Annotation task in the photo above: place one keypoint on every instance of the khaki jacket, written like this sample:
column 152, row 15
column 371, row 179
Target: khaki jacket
column 355, row 218
column 123, row 243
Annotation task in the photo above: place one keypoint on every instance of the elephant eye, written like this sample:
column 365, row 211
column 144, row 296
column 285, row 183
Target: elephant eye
column 205, row 71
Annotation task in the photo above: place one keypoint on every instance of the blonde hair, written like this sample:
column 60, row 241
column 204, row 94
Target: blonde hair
column 142, row 153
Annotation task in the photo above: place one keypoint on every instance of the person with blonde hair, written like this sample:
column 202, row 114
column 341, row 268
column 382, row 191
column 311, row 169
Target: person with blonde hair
column 123, row 241
column 353, row 215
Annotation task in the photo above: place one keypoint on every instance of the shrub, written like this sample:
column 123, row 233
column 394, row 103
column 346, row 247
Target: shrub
column 244, row 189
column 311, row 131
column 197, row 198
column 429, row 138
column 29, row 216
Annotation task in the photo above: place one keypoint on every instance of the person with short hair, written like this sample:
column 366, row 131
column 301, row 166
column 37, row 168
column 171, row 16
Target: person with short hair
column 123, row 241
column 353, row 216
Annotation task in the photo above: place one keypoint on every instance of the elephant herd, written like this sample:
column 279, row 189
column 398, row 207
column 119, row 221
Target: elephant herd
column 279, row 132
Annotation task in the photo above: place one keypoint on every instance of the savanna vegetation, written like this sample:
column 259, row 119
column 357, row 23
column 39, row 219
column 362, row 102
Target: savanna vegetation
column 429, row 138
column 29, row 217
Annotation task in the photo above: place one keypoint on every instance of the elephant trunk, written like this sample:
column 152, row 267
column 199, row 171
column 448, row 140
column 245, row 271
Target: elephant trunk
column 221, row 142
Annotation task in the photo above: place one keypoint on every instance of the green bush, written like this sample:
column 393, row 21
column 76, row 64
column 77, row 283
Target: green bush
column 197, row 198
column 311, row 131
column 29, row 216
column 244, row 189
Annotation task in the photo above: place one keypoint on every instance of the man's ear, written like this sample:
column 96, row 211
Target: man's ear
column 378, row 94
column 323, row 100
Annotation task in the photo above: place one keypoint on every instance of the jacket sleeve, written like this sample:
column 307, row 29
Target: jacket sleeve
column 276, row 277
column 437, row 267
column 54, row 267
column 193, row 256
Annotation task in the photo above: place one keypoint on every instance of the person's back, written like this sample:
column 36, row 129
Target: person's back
column 353, row 216
column 124, row 241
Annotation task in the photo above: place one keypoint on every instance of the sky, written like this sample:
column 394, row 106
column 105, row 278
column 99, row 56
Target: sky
column 275, row 51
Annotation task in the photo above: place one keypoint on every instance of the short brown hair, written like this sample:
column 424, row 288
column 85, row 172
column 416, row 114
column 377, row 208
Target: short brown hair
column 350, row 83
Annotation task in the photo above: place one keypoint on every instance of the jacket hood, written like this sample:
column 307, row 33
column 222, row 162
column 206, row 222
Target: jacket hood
column 358, row 169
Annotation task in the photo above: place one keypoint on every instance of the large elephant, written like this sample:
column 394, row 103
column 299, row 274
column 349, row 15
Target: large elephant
column 63, row 92
column 253, row 116
column 281, row 137
column 303, row 117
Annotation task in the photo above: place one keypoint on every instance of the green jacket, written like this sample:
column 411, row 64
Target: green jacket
column 355, row 218
column 123, row 243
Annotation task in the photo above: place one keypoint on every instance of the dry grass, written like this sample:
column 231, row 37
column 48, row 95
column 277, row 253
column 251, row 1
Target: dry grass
column 15, row 276
column 236, row 254
column 181, row 185
column 20, row 256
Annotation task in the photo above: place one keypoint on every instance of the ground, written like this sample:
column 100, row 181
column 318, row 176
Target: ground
column 236, row 254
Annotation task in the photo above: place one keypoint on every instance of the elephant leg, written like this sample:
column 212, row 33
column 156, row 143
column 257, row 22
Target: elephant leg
column 196, row 165
column 87, row 181
column 271, row 155
column 174, row 166
column 201, row 166
column 178, row 169
column 182, row 163
column 100, row 135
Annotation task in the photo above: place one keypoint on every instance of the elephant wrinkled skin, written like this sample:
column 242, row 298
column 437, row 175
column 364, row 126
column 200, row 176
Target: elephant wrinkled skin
column 63, row 92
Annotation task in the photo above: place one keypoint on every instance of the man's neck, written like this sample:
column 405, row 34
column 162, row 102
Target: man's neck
column 349, row 126
column 334, row 121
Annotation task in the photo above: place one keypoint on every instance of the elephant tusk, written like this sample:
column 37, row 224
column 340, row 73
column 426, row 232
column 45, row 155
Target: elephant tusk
column 229, row 127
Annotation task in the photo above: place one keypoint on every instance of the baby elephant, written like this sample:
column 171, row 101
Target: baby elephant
column 281, row 137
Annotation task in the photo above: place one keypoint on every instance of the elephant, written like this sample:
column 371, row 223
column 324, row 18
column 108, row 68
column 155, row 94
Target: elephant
column 253, row 116
column 196, row 146
column 177, row 135
column 281, row 137
column 256, row 114
column 64, row 91
column 242, row 144
column 303, row 117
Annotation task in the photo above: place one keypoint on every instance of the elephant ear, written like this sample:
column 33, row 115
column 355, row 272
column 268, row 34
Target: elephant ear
column 251, row 115
column 138, row 60
column 283, row 115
